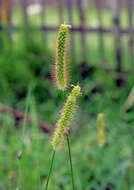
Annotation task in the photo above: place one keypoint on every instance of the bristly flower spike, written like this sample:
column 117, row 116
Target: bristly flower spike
column 60, row 70
column 101, row 130
column 66, row 114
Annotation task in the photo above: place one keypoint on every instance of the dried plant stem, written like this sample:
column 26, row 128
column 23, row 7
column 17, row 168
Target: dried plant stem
column 71, row 166
column 50, row 170
column 19, row 116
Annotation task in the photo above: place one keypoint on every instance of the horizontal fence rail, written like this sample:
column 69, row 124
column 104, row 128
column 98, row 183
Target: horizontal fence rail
column 73, row 29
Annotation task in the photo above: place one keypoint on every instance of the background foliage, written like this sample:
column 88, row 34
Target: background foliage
column 25, row 65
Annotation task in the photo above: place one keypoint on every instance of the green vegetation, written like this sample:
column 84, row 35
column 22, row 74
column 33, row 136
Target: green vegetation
column 26, row 85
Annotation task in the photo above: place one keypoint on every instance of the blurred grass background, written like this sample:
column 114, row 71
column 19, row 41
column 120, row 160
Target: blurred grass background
column 26, row 63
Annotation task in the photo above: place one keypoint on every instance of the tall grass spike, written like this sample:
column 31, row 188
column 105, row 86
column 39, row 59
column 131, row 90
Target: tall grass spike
column 130, row 101
column 101, row 129
column 61, row 70
column 66, row 114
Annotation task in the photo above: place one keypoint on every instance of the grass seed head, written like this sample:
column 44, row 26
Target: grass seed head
column 65, row 118
column 101, row 130
column 61, row 65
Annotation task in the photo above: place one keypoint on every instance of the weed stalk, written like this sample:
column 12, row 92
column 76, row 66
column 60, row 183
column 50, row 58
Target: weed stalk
column 71, row 165
column 50, row 170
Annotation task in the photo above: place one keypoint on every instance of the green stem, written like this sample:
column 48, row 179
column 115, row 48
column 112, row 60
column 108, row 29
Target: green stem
column 19, row 175
column 22, row 145
column 70, row 158
column 25, row 117
column 50, row 170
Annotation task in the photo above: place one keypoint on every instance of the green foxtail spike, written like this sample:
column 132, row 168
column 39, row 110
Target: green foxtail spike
column 60, row 69
column 100, row 126
column 63, row 123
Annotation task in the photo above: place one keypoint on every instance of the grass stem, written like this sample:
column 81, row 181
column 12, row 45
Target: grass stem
column 19, row 175
column 70, row 158
column 22, row 144
column 50, row 170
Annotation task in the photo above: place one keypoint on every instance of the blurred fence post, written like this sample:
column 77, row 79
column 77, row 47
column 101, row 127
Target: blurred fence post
column 24, row 5
column 9, row 22
column 4, row 13
column 60, row 11
column 82, row 31
column 70, row 18
column 100, row 34
column 5, row 16
column 43, row 18
column 131, row 33
column 115, row 9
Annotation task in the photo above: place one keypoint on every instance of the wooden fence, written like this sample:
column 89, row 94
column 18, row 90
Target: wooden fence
column 81, row 7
